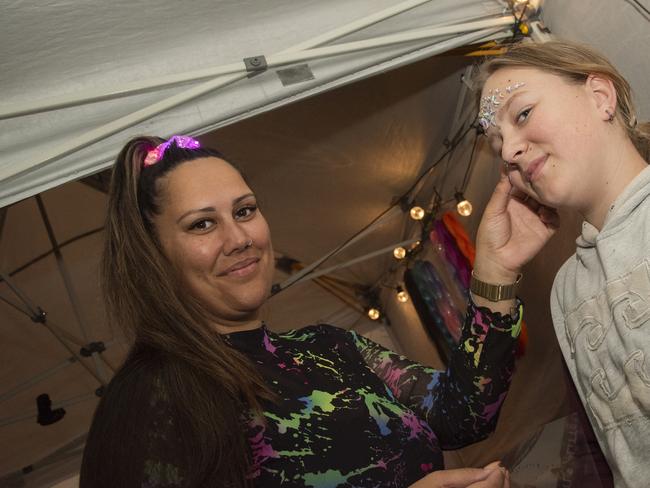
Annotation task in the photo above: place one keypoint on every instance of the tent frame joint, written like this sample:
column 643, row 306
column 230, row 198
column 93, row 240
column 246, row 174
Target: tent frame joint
column 40, row 316
column 92, row 348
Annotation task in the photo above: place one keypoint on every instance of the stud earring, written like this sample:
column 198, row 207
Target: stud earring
column 610, row 115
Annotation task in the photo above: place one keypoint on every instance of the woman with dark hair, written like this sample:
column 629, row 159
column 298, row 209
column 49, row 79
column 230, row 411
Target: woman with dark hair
column 561, row 117
column 209, row 396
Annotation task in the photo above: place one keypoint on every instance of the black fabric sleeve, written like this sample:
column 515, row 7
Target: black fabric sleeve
column 462, row 403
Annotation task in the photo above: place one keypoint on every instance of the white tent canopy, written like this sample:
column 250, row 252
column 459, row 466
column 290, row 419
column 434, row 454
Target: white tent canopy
column 119, row 50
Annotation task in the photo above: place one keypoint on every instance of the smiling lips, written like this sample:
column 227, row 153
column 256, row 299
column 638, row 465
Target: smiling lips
column 241, row 268
column 535, row 168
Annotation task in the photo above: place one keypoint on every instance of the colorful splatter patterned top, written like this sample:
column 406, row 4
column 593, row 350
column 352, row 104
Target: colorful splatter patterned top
column 353, row 414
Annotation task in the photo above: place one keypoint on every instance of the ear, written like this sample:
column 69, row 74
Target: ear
column 602, row 92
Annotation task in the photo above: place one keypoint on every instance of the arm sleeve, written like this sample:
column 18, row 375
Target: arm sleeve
column 460, row 404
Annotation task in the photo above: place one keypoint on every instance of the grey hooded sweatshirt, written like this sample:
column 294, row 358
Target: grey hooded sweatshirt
column 601, row 311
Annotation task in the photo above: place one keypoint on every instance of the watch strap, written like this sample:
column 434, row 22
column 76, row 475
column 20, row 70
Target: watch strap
column 494, row 292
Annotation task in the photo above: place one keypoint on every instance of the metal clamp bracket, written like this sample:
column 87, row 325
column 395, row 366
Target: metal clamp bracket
column 255, row 65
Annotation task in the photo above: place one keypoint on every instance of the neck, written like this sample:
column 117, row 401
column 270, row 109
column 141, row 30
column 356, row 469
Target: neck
column 623, row 166
column 238, row 325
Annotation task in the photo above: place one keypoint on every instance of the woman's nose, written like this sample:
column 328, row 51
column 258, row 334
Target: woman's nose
column 236, row 238
column 512, row 149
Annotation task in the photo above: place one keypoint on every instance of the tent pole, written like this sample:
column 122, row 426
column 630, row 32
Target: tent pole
column 82, row 97
column 37, row 378
column 356, row 260
column 464, row 87
column 32, row 310
column 308, row 269
column 55, row 334
column 11, row 304
column 143, row 114
column 67, row 281
column 35, row 316
column 461, row 116
column 365, row 257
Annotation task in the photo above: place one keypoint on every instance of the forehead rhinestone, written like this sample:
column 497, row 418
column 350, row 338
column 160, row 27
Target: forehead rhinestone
column 490, row 104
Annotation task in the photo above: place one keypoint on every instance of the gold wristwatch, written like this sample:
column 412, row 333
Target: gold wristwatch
column 494, row 293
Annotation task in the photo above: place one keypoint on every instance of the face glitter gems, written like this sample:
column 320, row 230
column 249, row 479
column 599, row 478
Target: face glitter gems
column 490, row 104
column 156, row 154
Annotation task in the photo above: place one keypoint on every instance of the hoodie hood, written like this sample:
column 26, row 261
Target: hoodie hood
column 633, row 195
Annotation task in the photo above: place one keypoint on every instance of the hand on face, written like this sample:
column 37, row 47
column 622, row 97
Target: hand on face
column 514, row 228
column 491, row 476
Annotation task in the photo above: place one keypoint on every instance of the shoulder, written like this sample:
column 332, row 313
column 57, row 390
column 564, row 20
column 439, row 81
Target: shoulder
column 561, row 285
column 133, row 390
column 143, row 367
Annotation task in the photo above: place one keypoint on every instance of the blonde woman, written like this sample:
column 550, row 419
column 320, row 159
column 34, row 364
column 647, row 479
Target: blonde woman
column 561, row 118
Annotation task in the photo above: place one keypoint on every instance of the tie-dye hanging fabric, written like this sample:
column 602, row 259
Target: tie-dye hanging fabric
column 456, row 229
column 434, row 303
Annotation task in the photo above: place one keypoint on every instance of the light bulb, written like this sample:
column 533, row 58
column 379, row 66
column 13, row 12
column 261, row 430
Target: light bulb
column 373, row 313
column 399, row 253
column 402, row 296
column 463, row 207
column 417, row 213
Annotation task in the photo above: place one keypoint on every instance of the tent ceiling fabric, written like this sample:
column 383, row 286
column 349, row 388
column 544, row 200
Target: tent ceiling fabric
column 75, row 47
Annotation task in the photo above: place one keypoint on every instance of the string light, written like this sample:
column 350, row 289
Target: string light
column 417, row 213
column 374, row 313
column 402, row 296
column 399, row 252
column 463, row 206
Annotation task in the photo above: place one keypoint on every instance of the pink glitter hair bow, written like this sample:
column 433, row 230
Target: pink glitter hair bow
column 157, row 153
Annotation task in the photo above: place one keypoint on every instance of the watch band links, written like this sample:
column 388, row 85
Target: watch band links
column 494, row 292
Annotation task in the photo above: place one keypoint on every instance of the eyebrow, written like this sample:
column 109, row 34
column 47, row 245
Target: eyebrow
column 213, row 209
column 509, row 100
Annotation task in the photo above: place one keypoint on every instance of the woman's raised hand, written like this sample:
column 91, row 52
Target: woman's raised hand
column 513, row 229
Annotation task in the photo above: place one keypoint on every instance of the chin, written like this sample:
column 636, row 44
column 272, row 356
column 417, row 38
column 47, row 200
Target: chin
column 250, row 302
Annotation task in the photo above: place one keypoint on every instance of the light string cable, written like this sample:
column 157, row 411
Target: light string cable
column 458, row 140
column 638, row 4
column 470, row 164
